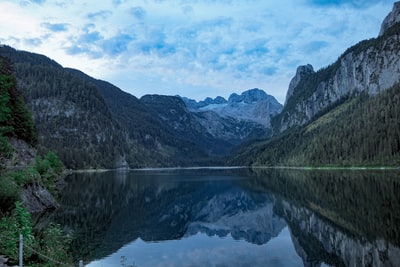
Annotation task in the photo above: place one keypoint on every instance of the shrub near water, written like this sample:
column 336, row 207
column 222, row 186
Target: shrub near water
column 19, row 222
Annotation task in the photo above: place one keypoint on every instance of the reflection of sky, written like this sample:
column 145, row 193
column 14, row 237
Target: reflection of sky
column 202, row 250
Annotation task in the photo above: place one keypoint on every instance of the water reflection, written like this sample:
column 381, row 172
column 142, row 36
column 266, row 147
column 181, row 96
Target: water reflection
column 313, row 217
column 343, row 218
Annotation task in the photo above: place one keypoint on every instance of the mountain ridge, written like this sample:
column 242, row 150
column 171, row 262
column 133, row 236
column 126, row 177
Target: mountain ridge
column 91, row 123
column 371, row 65
column 345, row 114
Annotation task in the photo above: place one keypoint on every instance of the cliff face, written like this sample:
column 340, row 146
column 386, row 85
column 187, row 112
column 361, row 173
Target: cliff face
column 239, row 119
column 302, row 71
column 371, row 66
column 391, row 19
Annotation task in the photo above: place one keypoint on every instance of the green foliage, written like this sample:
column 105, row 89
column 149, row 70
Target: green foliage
column 9, row 192
column 362, row 131
column 19, row 222
column 15, row 120
column 12, row 184
column 54, row 244
column 50, row 168
column 5, row 150
column 92, row 124
column 25, row 176
column 51, row 242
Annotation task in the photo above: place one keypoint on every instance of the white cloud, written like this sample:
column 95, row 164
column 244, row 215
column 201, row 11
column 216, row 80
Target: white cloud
column 193, row 48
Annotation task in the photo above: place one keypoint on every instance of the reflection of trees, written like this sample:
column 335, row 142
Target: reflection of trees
column 108, row 210
column 364, row 203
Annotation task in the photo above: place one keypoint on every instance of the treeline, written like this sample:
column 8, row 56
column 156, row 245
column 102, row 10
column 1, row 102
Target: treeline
column 364, row 130
column 15, row 120
column 90, row 123
column 71, row 117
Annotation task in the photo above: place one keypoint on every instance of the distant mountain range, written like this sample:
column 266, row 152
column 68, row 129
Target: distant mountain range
column 241, row 118
column 93, row 124
column 344, row 114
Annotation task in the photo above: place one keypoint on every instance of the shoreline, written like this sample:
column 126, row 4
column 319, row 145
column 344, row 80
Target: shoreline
column 305, row 168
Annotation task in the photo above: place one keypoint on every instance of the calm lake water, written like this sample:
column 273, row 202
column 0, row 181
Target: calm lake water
column 233, row 217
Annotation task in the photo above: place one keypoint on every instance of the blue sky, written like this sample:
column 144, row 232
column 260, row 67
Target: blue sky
column 194, row 48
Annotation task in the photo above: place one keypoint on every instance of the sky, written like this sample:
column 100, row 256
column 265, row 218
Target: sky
column 191, row 48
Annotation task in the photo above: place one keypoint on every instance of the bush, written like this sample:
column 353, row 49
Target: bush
column 19, row 222
column 55, row 245
column 9, row 193
column 50, row 168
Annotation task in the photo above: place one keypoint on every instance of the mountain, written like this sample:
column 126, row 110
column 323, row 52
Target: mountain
column 172, row 112
column 241, row 118
column 371, row 66
column 345, row 114
column 92, row 124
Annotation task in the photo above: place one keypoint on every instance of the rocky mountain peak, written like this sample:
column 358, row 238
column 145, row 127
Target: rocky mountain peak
column 301, row 72
column 249, row 96
column 392, row 18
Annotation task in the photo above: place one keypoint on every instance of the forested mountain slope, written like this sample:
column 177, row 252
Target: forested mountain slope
column 363, row 130
column 370, row 66
column 344, row 114
column 91, row 123
column 15, row 120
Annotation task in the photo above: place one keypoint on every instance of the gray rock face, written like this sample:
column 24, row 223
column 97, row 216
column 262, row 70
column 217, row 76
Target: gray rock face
column 301, row 72
column 23, row 154
column 371, row 66
column 241, row 117
column 392, row 18
column 37, row 199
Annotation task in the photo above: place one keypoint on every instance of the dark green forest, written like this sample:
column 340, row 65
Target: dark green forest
column 15, row 119
column 16, row 123
column 90, row 123
column 362, row 131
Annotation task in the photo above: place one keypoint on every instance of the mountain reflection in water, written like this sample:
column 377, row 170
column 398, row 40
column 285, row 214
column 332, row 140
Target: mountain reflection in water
column 234, row 217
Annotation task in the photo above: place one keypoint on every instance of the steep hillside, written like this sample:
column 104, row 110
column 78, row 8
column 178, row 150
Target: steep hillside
column 149, row 141
column 370, row 66
column 91, row 123
column 342, row 115
column 364, row 130
column 70, row 115
column 15, row 120
column 173, row 114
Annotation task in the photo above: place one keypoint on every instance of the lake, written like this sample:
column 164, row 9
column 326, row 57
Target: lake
column 233, row 217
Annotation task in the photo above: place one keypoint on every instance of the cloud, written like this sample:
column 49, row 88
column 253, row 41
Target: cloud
column 197, row 47
column 116, row 44
column 352, row 3
column 95, row 45
column 137, row 12
column 33, row 41
column 103, row 14
column 315, row 46
column 55, row 27
column 38, row 1
column 257, row 48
